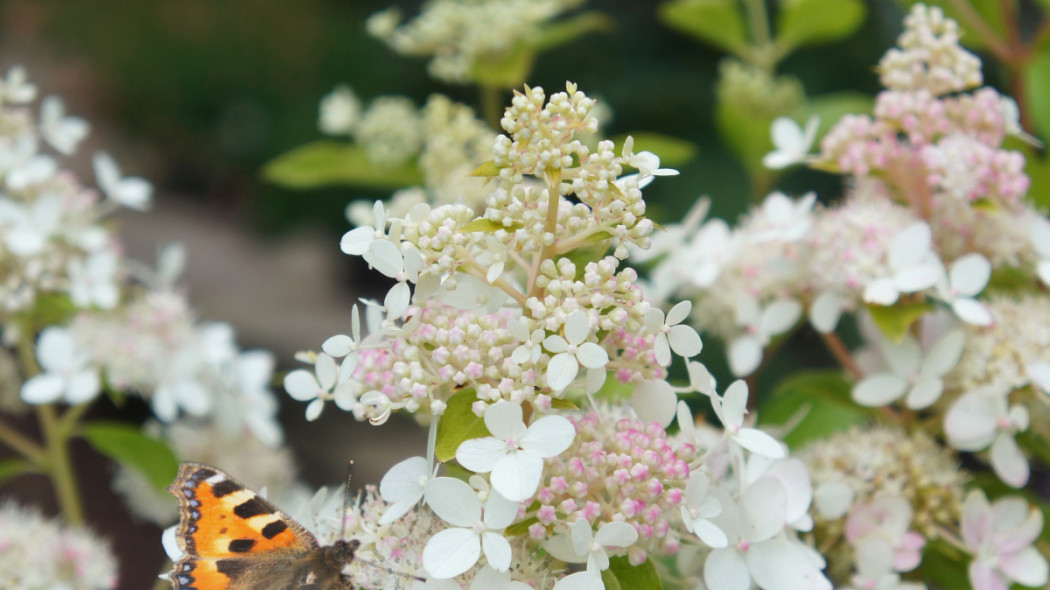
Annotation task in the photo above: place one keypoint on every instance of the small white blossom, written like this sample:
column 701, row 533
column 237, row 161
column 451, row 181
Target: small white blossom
column 67, row 375
column 761, row 324
column 731, row 409
column 914, row 265
column 983, row 418
column 671, row 334
column 1001, row 536
column 1040, row 236
column 94, row 282
column 62, row 132
column 919, row 380
column 340, row 111
column 515, row 452
column 455, row 550
column 572, row 351
column 698, row 508
column 15, row 88
column 967, row 277
column 131, row 192
column 791, row 144
column 582, row 544
column 314, row 387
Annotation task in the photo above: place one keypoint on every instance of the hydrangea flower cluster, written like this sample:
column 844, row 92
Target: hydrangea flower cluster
column 38, row 552
column 914, row 251
column 457, row 34
column 512, row 318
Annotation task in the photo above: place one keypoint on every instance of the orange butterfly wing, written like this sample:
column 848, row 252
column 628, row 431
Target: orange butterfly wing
column 228, row 533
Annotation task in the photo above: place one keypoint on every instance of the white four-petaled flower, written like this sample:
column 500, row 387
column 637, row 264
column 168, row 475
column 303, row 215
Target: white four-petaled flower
column 1001, row 537
column 515, row 452
column 919, row 380
column 572, row 351
column 730, row 409
column 913, row 264
column 132, row 192
column 967, row 277
column 455, row 550
column 671, row 334
column 790, row 141
column 68, row 375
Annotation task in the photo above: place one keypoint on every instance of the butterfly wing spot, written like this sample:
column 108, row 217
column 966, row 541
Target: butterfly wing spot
column 241, row 545
column 251, row 507
column 273, row 529
column 224, row 488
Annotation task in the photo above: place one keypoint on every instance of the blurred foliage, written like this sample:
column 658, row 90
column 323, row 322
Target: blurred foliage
column 219, row 87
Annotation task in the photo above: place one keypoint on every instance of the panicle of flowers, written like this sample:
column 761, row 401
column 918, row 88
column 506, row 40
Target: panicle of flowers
column 457, row 34
column 38, row 553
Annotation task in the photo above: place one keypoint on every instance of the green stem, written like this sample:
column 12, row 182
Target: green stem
column 550, row 225
column 60, row 467
column 975, row 22
column 23, row 445
column 758, row 21
column 491, row 101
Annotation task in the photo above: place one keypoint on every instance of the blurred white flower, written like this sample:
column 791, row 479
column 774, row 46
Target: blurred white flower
column 913, row 263
column 62, row 132
column 730, row 410
column 15, row 87
column 1001, row 537
column 132, row 192
column 67, row 373
column 983, row 418
column 920, row 380
column 966, row 278
column 340, row 111
column 790, row 142
column 761, row 324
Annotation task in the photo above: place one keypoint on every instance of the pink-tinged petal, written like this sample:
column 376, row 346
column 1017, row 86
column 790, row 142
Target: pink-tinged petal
column 779, row 565
column 1027, row 567
column 1024, row 532
column 451, row 552
column 734, row 404
column 402, row 481
column 924, row 393
column 1009, row 462
column 825, row 311
column 384, row 256
column 356, row 241
column 745, row 354
column 549, row 436
column 654, row 400
column 301, row 385
column 759, row 443
column 616, row 534
column 879, row 389
column 969, row 274
column 327, row 371
column 587, row 580
column 726, row 569
column 976, row 525
column 909, row 554
column 82, row 387
column 454, row 501
column 561, row 370
column 973, row 312
column 517, row 476
column 577, row 327
column 984, row 577
column 970, row 422
column 945, row 354
column 481, row 455
column 592, row 356
column 685, row 342
column 504, row 420
column 910, row 246
column 764, row 506
column 679, row 312
column 497, row 551
column 42, row 389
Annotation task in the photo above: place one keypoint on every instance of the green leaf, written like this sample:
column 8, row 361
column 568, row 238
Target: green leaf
column 1011, row 280
column 507, row 69
column 717, row 22
column 826, row 395
column 610, row 581
column 1037, row 92
column 520, row 528
column 895, row 320
column 50, row 309
column 482, row 224
column 10, row 468
column 807, row 22
column 324, row 163
column 458, row 424
column 131, row 447
column 487, row 169
column 944, row 566
column 1038, row 170
column 746, row 132
column 563, row 404
column 566, row 30
column 592, row 251
column 673, row 151
column 635, row 577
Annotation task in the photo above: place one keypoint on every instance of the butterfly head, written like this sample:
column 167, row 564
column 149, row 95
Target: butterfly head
column 339, row 554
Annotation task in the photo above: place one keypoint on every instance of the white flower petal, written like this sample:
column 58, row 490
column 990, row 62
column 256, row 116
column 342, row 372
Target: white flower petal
column 685, row 341
column 401, row 482
column 881, row 292
column 561, row 370
column 924, row 393
column 662, row 350
column 500, row 511
column 384, row 256
column 778, row 564
column 397, row 300
column 910, row 246
column 726, row 569
column 517, row 475
column 497, row 551
column 825, row 311
column 879, row 389
column 451, row 552
column 1043, row 270
column 577, row 327
column 338, row 346
column 314, row 409
column 356, row 241
column 1027, row 567
column 42, row 389
column 592, row 356
column 945, row 354
column 764, row 506
column 745, row 354
column 55, row 349
column 679, row 312
column 780, row 316
column 734, row 404
column 1009, row 461
column 759, row 443
column 970, row 422
column 555, row 344
column 973, row 312
column 586, row 580
column 327, row 371
column 969, row 275
column 616, row 534
column 833, row 499
column 504, row 420
column 301, row 385
column 481, row 455
column 654, row 400
column 549, row 436
column 454, row 501
column 82, row 387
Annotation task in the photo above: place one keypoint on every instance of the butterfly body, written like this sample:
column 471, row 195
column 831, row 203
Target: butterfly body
column 233, row 539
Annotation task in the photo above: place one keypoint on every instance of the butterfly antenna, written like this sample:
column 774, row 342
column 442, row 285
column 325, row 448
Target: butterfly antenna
column 346, row 498
column 388, row 570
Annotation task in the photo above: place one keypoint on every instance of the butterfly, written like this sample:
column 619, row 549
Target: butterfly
column 233, row 539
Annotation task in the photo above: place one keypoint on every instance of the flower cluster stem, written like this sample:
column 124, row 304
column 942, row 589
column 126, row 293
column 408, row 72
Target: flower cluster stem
column 22, row 445
column 57, row 432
